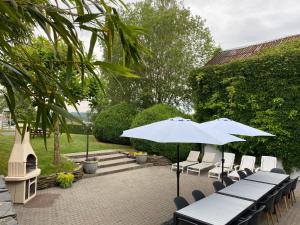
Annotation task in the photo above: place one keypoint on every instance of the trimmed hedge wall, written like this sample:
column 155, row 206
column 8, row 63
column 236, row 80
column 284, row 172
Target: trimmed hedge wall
column 262, row 91
column 111, row 123
column 154, row 114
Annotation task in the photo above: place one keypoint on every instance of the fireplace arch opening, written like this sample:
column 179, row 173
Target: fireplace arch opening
column 30, row 163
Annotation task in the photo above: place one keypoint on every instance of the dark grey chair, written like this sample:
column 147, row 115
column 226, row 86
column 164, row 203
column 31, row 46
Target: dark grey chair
column 286, row 193
column 198, row 195
column 277, row 200
column 244, row 221
column 294, row 185
column 218, row 186
column 269, row 206
column 241, row 174
column 228, row 181
column 180, row 202
column 256, row 216
column 248, row 171
column 278, row 170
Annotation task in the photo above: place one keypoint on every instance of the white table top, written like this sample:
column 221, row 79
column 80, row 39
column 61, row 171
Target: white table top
column 247, row 189
column 268, row 177
column 215, row 209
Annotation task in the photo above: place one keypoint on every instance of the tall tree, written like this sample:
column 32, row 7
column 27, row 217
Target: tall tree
column 41, row 54
column 59, row 20
column 177, row 41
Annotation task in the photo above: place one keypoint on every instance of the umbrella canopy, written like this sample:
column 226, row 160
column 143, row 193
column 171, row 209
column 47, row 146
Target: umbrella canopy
column 232, row 127
column 179, row 130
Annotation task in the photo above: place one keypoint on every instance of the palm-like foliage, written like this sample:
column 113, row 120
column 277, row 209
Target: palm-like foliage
column 60, row 22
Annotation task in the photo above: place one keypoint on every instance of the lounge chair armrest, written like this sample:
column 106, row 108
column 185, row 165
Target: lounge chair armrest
column 257, row 169
column 236, row 167
column 218, row 164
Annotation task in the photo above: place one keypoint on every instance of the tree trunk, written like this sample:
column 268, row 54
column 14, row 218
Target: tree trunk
column 56, row 159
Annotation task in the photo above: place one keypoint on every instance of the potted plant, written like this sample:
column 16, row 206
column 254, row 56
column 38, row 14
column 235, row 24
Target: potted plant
column 64, row 179
column 90, row 165
column 141, row 157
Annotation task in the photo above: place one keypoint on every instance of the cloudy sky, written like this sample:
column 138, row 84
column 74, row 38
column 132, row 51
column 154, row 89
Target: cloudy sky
column 236, row 23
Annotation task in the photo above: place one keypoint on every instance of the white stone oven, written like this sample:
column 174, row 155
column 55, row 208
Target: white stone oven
column 22, row 170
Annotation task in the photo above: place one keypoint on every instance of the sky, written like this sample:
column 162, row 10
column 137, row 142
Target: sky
column 238, row 23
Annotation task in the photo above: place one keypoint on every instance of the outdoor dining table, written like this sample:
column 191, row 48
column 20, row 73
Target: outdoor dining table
column 268, row 177
column 215, row 209
column 249, row 190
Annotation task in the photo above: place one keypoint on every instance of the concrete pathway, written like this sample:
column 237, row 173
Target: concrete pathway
column 138, row 197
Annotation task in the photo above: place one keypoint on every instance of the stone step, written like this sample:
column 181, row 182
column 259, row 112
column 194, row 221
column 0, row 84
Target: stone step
column 92, row 153
column 117, row 169
column 115, row 162
column 102, row 157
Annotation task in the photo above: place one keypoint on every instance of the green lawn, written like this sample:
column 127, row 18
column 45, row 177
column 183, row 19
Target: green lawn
column 45, row 157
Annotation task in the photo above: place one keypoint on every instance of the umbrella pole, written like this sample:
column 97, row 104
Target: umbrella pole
column 178, row 171
column 222, row 147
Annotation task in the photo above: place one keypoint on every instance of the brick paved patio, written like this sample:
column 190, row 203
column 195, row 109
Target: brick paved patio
column 138, row 197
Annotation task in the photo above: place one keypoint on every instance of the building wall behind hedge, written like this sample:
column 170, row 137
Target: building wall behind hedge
column 262, row 91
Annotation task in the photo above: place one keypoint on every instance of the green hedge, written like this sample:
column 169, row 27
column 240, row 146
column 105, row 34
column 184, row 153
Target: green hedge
column 262, row 91
column 111, row 123
column 154, row 114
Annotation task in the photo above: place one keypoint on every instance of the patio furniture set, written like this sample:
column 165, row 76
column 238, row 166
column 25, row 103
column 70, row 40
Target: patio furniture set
column 240, row 203
column 233, row 171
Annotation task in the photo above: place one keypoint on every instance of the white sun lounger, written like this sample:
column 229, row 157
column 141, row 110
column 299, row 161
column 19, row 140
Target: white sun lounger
column 247, row 161
column 208, row 161
column 267, row 163
column 228, row 166
column 191, row 160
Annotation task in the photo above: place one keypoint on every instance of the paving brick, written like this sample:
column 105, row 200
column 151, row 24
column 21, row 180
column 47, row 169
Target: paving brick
column 136, row 197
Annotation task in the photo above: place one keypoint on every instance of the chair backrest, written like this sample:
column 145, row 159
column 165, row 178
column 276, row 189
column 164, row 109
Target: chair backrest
column 180, row 202
column 247, row 162
column 270, row 201
column 193, row 156
column 229, row 159
column 279, row 194
column 241, row 174
column 198, row 195
column 294, row 185
column 287, row 188
column 218, row 186
column 244, row 221
column 228, row 181
column 255, row 219
column 268, row 163
column 248, row 171
column 278, row 170
column 209, row 157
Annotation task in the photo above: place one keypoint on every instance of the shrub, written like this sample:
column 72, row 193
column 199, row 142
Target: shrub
column 153, row 114
column 111, row 123
column 65, row 180
column 262, row 91
column 75, row 129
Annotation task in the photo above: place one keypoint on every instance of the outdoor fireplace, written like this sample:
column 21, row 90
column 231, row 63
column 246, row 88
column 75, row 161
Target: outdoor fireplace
column 22, row 170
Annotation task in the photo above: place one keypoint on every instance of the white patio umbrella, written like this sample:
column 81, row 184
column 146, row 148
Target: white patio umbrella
column 228, row 126
column 178, row 130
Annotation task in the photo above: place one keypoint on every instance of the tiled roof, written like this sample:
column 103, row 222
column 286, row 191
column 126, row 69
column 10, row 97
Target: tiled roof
column 245, row 52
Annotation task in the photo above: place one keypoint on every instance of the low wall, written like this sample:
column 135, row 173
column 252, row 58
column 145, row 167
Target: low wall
column 158, row 160
column 50, row 180
column 8, row 215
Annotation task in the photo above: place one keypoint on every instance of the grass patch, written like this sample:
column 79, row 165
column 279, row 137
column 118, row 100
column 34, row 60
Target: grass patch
column 45, row 157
